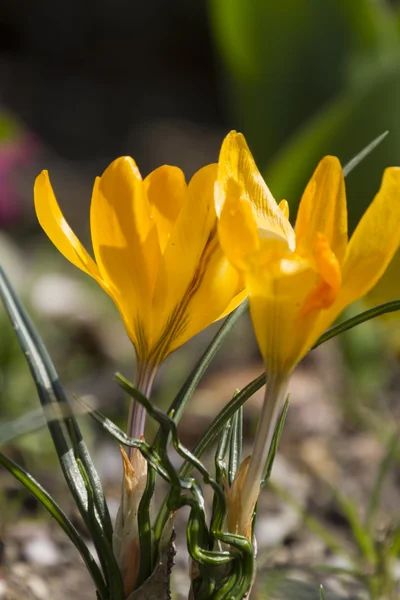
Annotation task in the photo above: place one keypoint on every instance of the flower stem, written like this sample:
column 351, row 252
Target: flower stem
column 274, row 396
column 144, row 377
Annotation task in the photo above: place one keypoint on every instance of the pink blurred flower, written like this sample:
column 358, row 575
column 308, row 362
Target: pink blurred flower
column 15, row 153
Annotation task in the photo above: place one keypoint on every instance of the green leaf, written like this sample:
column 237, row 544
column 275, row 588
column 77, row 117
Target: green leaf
column 103, row 547
column 199, row 540
column 186, row 392
column 221, row 419
column 275, row 443
column 235, row 449
column 67, row 438
column 47, row 501
column 363, row 317
column 62, row 425
column 221, row 475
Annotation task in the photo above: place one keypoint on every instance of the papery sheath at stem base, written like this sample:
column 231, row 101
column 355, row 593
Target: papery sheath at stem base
column 126, row 546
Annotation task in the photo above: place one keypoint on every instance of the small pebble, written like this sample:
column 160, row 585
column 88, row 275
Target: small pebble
column 42, row 551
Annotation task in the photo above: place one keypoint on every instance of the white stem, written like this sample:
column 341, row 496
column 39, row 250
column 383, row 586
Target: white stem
column 273, row 401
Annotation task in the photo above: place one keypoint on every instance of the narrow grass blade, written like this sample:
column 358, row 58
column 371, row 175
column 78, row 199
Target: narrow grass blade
column 47, row 501
column 62, row 425
column 235, row 447
column 360, row 533
column 104, row 548
column 363, row 317
column 275, row 443
column 185, row 393
column 222, row 418
column 220, row 455
column 120, row 436
column 384, row 466
column 363, row 154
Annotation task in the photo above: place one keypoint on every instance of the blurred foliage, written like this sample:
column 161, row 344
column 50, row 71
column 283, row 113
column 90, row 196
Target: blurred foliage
column 9, row 128
column 306, row 78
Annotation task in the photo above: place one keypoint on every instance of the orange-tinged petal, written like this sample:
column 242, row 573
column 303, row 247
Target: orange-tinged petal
column 56, row 227
column 374, row 241
column 328, row 267
column 124, row 237
column 166, row 189
column 236, row 163
column 323, row 209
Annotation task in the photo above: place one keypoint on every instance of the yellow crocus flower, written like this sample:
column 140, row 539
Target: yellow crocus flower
column 156, row 253
column 298, row 279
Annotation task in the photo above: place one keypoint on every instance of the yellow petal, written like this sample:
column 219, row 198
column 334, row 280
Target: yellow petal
column 186, row 257
column 166, row 189
column 276, row 292
column 56, row 227
column 236, row 300
column 237, row 228
column 236, row 163
column 323, row 209
column 284, row 206
column 374, row 241
column 219, row 283
column 124, row 238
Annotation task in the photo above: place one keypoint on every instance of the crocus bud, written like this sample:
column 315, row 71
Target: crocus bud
column 126, row 534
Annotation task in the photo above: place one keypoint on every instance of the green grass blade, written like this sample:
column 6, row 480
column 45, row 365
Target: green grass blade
column 220, row 455
column 235, row 447
column 363, row 317
column 275, row 443
column 149, row 453
column 62, row 425
column 384, row 466
column 185, row 393
column 361, row 535
column 363, row 154
column 104, row 549
column 47, row 501
column 222, row 418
